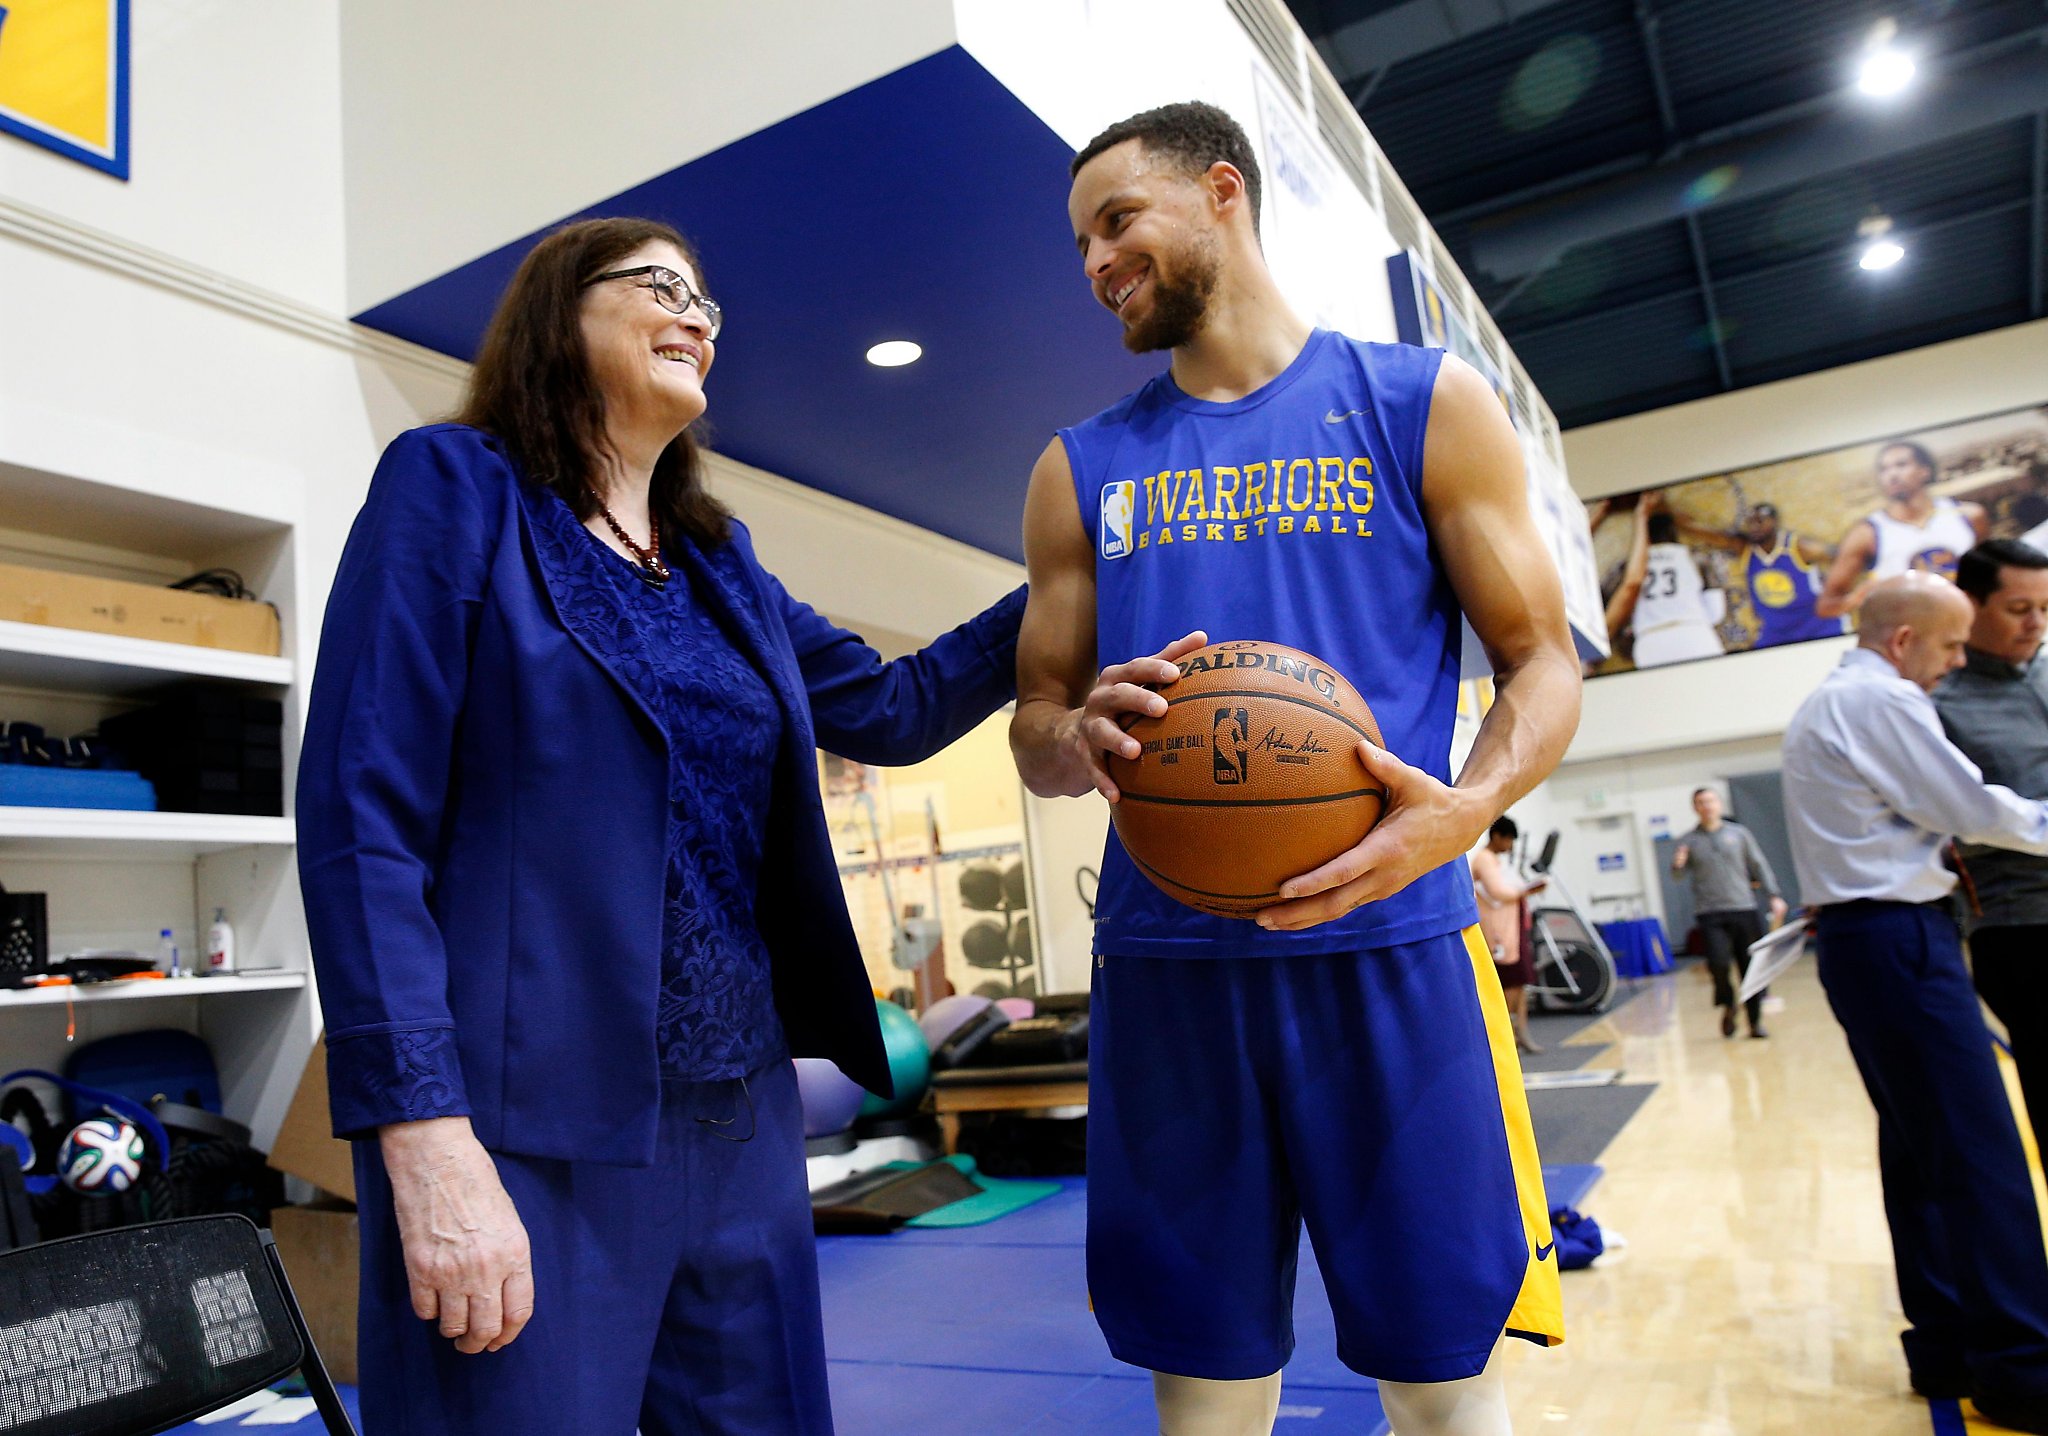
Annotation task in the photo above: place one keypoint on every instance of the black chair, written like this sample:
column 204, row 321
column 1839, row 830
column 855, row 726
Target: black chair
column 135, row 1330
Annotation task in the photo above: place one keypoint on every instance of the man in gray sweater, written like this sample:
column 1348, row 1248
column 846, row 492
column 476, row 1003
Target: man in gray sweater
column 1727, row 869
column 1995, row 708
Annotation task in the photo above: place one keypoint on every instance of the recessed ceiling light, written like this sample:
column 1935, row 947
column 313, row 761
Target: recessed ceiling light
column 1880, row 250
column 894, row 353
column 1884, row 72
column 1885, row 69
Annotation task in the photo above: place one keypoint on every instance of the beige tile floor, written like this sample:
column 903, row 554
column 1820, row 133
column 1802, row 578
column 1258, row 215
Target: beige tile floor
column 1756, row 1295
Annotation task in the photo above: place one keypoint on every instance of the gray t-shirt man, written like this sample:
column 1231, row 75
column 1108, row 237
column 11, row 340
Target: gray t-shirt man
column 1726, row 867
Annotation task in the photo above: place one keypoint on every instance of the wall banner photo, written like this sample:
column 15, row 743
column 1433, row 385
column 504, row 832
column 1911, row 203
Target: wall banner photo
column 1781, row 553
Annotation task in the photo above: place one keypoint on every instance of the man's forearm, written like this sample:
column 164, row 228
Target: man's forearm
column 1534, row 714
column 1040, row 740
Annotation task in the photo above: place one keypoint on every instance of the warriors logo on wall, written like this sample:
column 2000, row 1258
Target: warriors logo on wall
column 1783, row 552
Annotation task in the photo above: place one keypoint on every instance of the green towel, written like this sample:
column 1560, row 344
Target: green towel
column 998, row 1198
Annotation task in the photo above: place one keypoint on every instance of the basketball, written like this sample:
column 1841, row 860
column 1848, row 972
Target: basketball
column 1251, row 777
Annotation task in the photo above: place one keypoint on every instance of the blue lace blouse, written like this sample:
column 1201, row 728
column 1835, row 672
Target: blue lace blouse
column 715, row 1017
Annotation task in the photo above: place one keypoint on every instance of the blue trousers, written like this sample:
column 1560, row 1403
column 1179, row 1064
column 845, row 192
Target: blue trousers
column 1966, row 1235
column 681, row 1298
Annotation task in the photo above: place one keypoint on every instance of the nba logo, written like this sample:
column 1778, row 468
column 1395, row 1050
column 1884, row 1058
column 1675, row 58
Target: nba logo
column 1118, row 500
column 1227, row 745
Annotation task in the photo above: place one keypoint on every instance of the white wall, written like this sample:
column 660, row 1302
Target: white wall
column 1652, row 791
column 478, row 124
column 236, row 150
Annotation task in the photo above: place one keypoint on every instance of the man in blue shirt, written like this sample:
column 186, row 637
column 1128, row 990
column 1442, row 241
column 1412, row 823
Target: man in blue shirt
column 1996, row 710
column 1873, row 793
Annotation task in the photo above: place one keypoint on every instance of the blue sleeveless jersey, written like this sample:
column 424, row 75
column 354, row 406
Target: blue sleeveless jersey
column 1292, row 515
column 1782, row 593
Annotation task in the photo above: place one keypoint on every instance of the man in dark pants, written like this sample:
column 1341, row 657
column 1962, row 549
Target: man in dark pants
column 1727, row 869
column 1996, row 711
column 1873, row 791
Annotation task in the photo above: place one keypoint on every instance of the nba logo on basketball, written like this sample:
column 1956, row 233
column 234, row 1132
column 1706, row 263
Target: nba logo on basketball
column 1118, row 502
column 1228, row 746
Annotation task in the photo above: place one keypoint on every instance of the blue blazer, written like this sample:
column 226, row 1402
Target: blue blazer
column 482, row 818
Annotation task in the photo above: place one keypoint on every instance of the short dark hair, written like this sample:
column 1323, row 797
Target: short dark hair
column 1923, row 455
column 1979, row 573
column 532, row 387
column 1663, row 528
column 1192, row 134
column 1697, row 791
column 1504, row 827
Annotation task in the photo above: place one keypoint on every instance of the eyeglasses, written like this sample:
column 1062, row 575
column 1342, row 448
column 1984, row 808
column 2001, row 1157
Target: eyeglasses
column 671, row 291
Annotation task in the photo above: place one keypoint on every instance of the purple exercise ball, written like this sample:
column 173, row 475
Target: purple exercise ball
column 831, row 1099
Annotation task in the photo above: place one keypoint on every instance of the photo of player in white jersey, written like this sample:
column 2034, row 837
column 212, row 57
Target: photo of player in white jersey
column 1913, row 530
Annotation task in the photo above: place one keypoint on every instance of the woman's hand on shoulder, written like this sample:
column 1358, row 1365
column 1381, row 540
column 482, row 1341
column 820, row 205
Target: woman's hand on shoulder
column 466, row 1253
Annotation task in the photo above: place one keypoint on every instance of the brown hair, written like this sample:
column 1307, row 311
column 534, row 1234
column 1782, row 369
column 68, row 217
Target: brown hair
column 532, row 386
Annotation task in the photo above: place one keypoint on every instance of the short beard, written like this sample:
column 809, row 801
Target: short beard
column 1179, row 309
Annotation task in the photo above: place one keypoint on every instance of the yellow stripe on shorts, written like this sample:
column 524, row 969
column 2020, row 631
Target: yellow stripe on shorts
column 1538, row 1313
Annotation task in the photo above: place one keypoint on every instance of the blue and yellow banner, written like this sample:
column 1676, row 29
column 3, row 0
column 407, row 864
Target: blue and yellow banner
column 64, row 78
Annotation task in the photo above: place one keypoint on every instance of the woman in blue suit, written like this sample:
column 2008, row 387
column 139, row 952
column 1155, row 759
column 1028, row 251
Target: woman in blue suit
column 572, row 898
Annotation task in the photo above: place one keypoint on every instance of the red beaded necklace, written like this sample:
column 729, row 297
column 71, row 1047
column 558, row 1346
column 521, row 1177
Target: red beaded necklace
column 647, row 562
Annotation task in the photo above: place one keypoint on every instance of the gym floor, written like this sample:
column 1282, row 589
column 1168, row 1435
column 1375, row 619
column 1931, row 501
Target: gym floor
column 1755, row 1296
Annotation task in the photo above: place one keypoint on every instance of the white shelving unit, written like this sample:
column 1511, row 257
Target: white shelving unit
column 144, row 991
column 98, row 832
column 113, row 878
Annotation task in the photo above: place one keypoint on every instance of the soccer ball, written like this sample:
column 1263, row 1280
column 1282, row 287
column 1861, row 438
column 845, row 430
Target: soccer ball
column 101, row 1156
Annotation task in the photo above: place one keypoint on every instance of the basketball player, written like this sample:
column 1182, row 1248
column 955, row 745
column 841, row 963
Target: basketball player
column 1783, row 572
column 1914, row 530
column 1675, row 611
column 1346, row 1060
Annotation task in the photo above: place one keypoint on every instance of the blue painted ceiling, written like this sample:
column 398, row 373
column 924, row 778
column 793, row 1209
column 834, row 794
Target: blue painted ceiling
column 928, row 205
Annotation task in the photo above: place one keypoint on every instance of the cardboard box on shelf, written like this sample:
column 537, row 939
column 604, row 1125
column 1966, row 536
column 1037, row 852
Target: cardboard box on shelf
column 320, row 1247
column 136, row 610
column 306, row 1147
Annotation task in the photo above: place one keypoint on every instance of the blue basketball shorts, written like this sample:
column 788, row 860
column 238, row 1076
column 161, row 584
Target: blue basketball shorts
column 1375, row 1097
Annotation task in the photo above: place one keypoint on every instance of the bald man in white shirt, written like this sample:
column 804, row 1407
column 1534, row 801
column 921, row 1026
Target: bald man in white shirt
column 1874, row 791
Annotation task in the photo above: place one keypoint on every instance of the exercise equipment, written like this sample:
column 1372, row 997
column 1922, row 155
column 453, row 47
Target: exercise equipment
column 1574, row 968
column 947, row 1015
column 830, row 1098
column 910, row 1063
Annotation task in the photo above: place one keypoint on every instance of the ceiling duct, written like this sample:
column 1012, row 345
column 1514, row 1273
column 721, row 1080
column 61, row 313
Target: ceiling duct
column 1528, row 239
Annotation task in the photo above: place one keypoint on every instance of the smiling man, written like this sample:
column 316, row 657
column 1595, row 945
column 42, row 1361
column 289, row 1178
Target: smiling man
column 1346, row 1060
column 1915, row 531
column 1996, row 710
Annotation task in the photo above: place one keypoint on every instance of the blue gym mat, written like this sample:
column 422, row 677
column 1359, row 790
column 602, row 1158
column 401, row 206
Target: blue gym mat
column 985, row 1331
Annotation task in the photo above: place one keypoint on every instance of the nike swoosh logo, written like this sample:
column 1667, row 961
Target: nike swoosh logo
column 1543, row 1253
column 1333, row 417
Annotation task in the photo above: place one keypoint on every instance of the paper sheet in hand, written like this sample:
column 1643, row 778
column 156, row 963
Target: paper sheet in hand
column 1770, row 955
